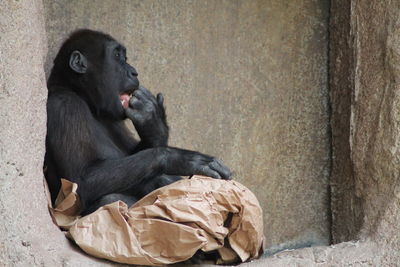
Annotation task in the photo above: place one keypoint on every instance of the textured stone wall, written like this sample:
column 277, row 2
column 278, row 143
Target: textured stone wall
column 243, row 80
column 365, row 96
column 27, row 235
column 22, row 120
column 347, row 213
column 364, row 81
column 364, row 84
column 375, row 121
column 365, row 119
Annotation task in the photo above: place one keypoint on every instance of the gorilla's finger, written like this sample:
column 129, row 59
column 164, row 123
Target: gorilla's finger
column 146, row 95
column 228, row 171
column 141, row 87
column 160, row 99
column 207, row 171
column 134, row 115
column 224, row 171
column 145, row 90
column 135, row 103
column 139, row 95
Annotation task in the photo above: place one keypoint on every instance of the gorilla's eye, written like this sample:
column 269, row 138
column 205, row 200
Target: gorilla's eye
column 117, row 54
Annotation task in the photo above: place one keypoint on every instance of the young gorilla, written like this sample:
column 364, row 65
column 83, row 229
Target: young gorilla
column 92, row 89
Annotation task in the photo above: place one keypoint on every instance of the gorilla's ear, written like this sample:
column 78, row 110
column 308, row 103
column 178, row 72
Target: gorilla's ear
column 78, row 62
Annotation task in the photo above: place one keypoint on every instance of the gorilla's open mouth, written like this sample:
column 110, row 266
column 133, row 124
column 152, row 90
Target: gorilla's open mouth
column 124, row 98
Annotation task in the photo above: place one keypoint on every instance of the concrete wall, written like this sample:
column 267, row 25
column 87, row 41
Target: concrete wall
column 364, row 83
column 27, row 235
column 347, row 213
column 365, row 93
column 374, row 115
column 243, row 80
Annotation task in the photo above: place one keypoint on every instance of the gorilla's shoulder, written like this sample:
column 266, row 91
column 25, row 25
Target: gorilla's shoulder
column 65, row 98
column 66, row 103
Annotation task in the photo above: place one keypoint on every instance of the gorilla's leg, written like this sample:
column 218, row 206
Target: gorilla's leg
column 107, row 199
column 148, row 186
column 131, row 196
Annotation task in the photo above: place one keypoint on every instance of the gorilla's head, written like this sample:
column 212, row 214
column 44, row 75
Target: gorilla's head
column 93, row 65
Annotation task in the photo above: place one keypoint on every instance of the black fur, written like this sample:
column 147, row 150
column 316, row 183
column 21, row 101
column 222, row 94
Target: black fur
column 87, row 141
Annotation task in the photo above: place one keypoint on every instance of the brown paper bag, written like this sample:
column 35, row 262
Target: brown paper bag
column 170, row 224
column 65, row 214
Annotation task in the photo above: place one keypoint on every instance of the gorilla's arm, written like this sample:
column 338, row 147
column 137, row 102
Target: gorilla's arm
column 147, row 114
column 84, row 154
column 117, row 175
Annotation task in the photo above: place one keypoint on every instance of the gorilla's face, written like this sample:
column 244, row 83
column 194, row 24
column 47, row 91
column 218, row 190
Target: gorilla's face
column 116, row 80
column 105, row 77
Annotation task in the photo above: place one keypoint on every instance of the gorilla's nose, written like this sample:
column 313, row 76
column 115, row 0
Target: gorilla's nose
column 132, row 72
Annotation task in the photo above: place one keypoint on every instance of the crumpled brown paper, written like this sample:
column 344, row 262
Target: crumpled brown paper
column 65, row 214
column 170, row 224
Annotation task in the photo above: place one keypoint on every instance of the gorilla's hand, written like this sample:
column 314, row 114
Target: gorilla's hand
column 185, row 162
column 210, row 166
column 148, row 116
